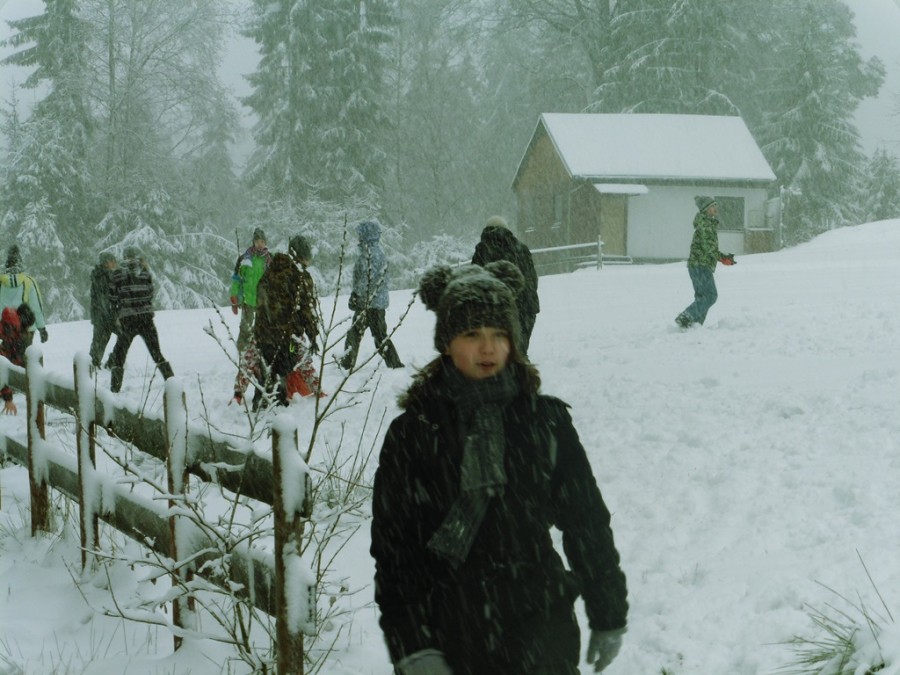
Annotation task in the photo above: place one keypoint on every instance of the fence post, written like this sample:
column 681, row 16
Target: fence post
column 86, row 432
column 294, row 616
column 177, row 476
column 37, row 464
column 599, row 253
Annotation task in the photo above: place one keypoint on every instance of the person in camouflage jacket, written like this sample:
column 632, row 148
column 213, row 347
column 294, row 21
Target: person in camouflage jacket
column 702, row 261
column 287, row 325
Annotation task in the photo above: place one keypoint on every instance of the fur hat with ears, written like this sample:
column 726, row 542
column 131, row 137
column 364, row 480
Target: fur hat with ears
column 470, row 297
column 704, row 203
column 13, row 260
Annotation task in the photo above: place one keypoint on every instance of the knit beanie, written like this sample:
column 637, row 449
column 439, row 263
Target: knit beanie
column 300, row 249
column 259, row 234
column 704, row 203
column 132, row 253
column 13, row 259
column 496, row 221
column 472, row 296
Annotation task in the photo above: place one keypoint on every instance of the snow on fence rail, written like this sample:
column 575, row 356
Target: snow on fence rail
column 270, row 582
column 567, row 258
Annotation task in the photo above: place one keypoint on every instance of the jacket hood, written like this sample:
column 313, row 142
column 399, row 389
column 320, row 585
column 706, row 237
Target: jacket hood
column 369, row 230
column 495, row 234
column 10, row 317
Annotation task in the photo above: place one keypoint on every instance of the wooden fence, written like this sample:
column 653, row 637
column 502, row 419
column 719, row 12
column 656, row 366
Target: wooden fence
column 556, row 259
column 187, row 452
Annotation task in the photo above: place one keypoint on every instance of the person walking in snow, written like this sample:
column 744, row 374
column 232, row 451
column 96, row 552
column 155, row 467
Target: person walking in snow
column 369, row 298
column 702, row 261
column 103, row 317
column 132, row 301
column 248, row 270
column 17, row 287
column 471, row 476
column 287, row 324
column 14, row 325
column 499, row 243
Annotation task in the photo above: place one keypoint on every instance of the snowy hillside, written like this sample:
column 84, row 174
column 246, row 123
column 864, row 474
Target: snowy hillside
column 747, row 463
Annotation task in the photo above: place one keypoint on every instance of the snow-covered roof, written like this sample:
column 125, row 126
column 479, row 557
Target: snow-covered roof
column 661, row 147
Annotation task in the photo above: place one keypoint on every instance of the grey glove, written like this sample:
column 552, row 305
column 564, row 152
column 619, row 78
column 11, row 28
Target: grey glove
column 424, row 662
column 603, row 647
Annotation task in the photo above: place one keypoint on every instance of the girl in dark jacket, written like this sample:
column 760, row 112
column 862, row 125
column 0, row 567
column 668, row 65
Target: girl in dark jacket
column 470, row 479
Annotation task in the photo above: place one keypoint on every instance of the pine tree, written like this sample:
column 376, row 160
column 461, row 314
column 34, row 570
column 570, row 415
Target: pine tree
column 668, row 57
column 814, row 80
column 48, row 210
column 318, row 95
column 880, row 189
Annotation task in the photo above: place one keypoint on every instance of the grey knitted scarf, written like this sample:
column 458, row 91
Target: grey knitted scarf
column 480, row 404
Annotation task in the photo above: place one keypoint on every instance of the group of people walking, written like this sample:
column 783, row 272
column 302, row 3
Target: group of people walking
column 473, row 472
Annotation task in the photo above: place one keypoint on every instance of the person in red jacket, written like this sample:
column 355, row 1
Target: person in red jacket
column 14, row 328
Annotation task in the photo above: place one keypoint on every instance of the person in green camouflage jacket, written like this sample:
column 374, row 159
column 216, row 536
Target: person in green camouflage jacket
column 287, row 324
column 704, row 255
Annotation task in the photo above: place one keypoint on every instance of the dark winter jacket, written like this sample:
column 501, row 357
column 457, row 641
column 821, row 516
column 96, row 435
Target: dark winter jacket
column 102, row 313
column 370, row 271
column 705, row 244
column 132, row 289
column 285, row 303
column 499, row 243
column 512, row 573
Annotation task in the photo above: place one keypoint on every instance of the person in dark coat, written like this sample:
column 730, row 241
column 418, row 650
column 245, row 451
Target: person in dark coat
column 702, row 261
column 103, row 318
column 470, row 479
column 369, row 298
column 499, row 243
column 132, row 301
column 14, row 329
column 287, row 324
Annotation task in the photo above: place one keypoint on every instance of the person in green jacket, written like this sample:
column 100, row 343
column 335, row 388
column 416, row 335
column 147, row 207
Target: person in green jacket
column 704, row 255
column 248, row 270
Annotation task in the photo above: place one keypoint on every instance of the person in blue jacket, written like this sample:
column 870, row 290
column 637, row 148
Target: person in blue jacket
column 369, row 298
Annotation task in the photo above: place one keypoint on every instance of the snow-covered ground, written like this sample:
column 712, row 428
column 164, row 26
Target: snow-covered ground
column 749, row 463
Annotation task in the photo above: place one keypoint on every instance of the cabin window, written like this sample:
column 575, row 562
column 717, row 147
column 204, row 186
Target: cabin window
column 559, row 209
column 731, row 214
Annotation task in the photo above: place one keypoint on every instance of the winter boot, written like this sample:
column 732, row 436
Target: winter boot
column 683, row 320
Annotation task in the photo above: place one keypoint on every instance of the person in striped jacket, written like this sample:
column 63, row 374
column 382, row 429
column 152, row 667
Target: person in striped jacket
column 132, row 300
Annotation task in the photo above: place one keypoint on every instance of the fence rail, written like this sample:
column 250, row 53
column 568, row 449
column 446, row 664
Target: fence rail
column 570, row 257
column 154, row 523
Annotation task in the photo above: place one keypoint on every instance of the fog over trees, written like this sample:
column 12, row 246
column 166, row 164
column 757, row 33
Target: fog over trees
column 416, row 112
